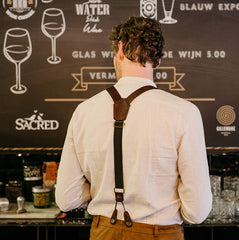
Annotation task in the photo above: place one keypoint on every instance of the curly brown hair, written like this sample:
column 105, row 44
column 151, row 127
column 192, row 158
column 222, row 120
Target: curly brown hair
column 142, row 40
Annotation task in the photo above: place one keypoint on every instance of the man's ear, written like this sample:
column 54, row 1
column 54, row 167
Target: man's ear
column 120, row 53
column 158, row 63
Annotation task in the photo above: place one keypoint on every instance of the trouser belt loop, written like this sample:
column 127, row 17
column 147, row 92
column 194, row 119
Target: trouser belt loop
column 97, row 221
column 156, row 230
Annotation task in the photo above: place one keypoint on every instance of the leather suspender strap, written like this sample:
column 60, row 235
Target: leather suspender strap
column 121, row 105
column 121, row 108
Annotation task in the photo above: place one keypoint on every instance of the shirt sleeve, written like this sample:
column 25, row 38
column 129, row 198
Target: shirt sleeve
column 194, row 184
column 72, row 188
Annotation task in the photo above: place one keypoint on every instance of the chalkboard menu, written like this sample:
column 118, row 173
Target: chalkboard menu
column 55, row 54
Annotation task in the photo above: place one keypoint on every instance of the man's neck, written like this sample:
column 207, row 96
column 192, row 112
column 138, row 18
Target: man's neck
column 132, row 69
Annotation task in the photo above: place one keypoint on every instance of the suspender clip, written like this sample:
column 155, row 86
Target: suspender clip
column 114, row 217
column 127, row 219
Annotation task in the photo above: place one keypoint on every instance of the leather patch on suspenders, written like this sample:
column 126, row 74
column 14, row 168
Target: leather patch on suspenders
column 121, row 109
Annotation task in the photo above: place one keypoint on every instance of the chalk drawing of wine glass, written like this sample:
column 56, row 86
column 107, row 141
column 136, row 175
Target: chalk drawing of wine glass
column 53, row 26
column 168, row 11
column 46, row 1
column 17, row 48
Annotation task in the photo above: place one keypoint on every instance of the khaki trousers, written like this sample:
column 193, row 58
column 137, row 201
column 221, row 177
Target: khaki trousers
column 102, row 229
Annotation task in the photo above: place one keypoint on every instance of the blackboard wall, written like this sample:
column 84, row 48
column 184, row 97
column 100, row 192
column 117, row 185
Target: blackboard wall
column 200, row 64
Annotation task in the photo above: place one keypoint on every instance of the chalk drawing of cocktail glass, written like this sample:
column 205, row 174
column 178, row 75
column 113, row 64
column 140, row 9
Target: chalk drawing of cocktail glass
column 17, row 48
column 168, row 11
column 53, row 26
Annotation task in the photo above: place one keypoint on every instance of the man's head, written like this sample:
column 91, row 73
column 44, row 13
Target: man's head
column 141, row 40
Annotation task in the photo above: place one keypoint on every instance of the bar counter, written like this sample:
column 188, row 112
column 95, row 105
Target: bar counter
column 52, row 224
column 42, row 224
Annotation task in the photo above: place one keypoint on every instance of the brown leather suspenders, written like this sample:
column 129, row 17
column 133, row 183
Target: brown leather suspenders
column 121, row 108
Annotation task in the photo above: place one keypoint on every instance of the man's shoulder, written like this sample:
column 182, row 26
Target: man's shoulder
column 170, row 100
column 95, row 99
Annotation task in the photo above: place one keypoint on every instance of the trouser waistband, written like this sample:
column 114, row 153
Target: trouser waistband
column 137, row 227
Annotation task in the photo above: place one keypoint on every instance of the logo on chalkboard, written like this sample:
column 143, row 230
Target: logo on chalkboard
column 36, row 122
column 93, row 10
column 148, row 8
column 20, row 9
column 226, row 116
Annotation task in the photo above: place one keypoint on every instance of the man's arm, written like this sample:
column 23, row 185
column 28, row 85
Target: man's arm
column 194, row 184
column 72, row 189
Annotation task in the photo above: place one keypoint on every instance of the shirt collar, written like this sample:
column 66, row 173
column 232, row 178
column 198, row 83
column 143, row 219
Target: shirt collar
column 127, row 85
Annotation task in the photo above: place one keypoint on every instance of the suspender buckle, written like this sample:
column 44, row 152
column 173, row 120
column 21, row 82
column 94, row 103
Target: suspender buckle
column 119, row 197
column 119, row 124
column 119, row 194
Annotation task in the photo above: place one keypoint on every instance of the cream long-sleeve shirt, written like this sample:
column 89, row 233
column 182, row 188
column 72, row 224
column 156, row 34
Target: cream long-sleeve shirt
column 165, row 167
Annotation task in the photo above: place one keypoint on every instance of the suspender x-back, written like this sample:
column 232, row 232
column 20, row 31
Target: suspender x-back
column 121, row 108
